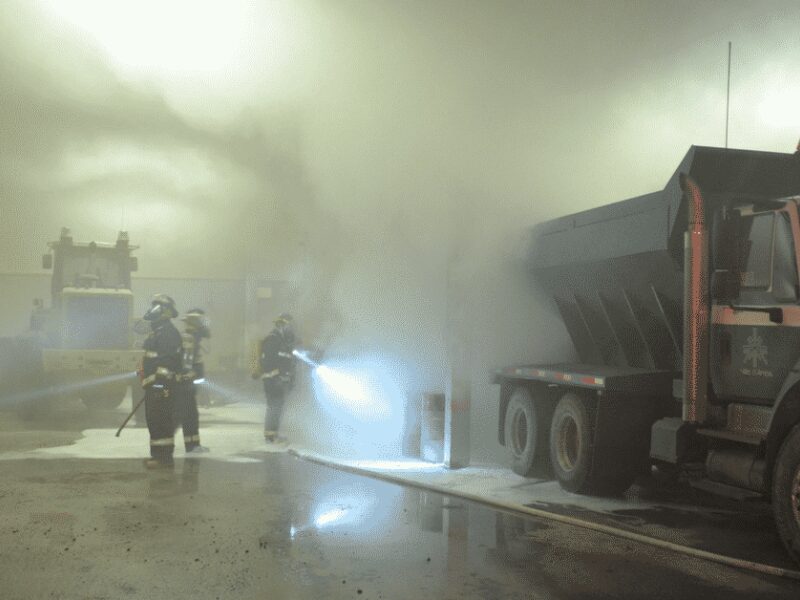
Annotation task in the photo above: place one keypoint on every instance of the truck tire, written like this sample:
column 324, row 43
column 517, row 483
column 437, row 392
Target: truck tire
column 526, row 427
column 579, row 465
column 570, row 443
column 786, row 493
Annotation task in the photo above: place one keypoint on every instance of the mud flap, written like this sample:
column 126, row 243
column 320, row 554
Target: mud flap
column 621, row 440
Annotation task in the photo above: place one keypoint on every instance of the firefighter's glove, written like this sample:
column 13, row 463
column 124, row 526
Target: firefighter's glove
column 271, row 374
column 160, row 377
column 163, row 374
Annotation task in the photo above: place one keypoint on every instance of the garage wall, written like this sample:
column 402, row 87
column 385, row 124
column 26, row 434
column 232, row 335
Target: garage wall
column 17, row 291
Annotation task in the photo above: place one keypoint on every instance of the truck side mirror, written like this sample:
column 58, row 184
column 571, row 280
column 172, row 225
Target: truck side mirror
column 47, row 261
column 134, row 264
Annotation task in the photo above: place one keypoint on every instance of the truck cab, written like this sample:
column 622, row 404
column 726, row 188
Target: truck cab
column 754, row 300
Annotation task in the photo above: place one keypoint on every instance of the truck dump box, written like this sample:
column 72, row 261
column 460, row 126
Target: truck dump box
column 616, row 272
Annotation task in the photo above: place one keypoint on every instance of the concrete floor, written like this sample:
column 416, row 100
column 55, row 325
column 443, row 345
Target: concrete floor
column 276, row 526
column 285, row 528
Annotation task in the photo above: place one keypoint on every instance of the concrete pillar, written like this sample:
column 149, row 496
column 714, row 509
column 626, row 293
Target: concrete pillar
column 459, row 375
column 456, row 423
column 432, row 428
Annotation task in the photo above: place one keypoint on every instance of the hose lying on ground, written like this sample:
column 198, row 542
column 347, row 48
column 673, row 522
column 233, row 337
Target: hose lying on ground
column 543, row 514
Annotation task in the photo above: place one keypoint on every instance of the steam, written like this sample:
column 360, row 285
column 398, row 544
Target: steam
column 387, row 167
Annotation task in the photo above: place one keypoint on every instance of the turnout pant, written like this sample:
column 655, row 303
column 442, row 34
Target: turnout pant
column 276, row 395
column 185, row 413
column 159, row 414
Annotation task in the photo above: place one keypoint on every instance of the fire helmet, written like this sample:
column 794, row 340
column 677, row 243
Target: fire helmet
column 283, row 319
column 197, row 322
column 283, row 325
column 161, row 307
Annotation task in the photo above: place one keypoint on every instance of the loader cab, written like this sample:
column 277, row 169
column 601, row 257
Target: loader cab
column 92, row 303
column 755, row 290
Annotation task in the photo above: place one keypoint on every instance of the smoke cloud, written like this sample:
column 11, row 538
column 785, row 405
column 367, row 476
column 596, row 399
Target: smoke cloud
column 385, row 158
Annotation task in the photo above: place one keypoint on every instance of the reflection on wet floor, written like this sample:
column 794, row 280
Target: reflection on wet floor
column 183, row 479
column 285, row 528
column 388, row 541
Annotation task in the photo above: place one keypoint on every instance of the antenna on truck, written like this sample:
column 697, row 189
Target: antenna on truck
column 728, row 97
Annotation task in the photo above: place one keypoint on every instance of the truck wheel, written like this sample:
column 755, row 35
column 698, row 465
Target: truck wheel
column 579, row 465
column 786, row 493
column 526, row 427
column 571, row 436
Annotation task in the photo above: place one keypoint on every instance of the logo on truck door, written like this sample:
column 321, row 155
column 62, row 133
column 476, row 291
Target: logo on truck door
column 755, row 355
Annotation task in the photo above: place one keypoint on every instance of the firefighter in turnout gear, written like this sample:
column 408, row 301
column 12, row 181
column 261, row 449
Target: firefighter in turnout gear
column 161, row 364
column 196, row 328
column 277, row 366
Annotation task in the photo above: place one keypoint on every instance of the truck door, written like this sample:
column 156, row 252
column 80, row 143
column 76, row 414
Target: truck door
column 755, row 334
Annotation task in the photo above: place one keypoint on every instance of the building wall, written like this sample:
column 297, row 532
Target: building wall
column 17, row 291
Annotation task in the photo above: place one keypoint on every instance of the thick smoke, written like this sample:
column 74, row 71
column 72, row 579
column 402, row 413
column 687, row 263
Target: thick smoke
column 389, row 168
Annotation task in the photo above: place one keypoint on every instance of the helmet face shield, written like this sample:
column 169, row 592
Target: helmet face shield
column 155, row 313
column 162, row 307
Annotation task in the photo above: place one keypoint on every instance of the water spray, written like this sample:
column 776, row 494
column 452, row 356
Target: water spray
column 346, row 386
column 53, row 390
column 303, row 356
column 230, row 394
column 362, row 403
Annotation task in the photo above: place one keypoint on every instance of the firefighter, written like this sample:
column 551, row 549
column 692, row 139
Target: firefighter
column 161, row 364
column 196, row 328
column 277, row 369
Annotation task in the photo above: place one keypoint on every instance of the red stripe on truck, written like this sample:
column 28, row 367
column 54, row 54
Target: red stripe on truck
column 556, row 376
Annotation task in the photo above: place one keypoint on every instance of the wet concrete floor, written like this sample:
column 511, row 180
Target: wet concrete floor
column 280, row 527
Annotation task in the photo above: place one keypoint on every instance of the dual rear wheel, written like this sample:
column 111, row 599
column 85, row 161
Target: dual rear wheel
column 559, row 439
column 526, row 432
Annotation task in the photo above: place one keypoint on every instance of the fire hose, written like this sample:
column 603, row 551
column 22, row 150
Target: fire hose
column 128, row 418
column 511, row 508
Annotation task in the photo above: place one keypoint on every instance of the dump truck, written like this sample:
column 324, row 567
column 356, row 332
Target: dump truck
column 87, row 333
column 683, row 308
